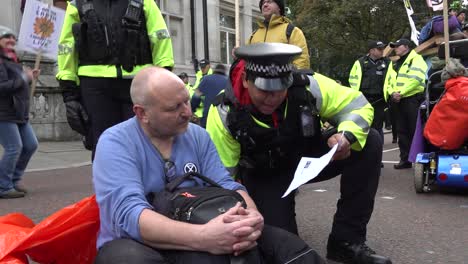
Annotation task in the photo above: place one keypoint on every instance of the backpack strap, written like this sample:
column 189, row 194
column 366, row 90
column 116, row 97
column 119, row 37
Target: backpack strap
column 289, row 30
column 171, row 186
column 251, row 36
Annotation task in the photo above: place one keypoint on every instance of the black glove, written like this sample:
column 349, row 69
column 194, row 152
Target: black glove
column 76, row 114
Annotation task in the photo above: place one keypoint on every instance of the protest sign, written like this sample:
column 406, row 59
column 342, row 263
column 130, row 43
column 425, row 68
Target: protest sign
column 40, row 29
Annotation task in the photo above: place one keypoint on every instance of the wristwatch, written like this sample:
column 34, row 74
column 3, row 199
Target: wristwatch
column 349, row 136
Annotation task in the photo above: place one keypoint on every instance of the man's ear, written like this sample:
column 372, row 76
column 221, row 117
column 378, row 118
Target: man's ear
column 140, row 113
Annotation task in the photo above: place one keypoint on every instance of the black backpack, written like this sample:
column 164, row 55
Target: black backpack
column 196, row 205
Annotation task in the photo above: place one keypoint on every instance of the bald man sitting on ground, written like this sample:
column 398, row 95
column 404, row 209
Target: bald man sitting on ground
column 132, row 161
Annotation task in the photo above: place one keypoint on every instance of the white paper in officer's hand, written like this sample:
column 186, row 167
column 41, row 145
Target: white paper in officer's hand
column 308, row 169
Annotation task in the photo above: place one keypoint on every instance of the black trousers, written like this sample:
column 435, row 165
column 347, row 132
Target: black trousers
column 107, row 101
column 406, row 112
column 390, row 119
column 358, row 186
column 275, row 246
column 379, row 115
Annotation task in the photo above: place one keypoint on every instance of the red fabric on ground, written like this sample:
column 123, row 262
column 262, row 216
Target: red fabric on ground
column 67, row 236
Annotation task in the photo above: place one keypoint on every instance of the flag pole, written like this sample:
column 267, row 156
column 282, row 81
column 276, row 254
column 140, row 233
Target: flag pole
column 446, row 32
column 36, row 67
column 237, row 21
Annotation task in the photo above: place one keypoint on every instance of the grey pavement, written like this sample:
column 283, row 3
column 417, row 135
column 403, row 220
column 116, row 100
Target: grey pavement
column 59, row 155
column 52, row 155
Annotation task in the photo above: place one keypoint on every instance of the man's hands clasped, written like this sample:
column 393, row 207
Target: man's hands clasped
column 233, row 232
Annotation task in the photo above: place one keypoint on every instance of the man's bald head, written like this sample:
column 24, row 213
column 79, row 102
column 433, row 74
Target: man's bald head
column 161, row 102
column 150, row 82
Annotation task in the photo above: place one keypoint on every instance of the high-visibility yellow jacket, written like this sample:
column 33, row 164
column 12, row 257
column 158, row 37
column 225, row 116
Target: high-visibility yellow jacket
column 190, row 89
column 199, row 75
column 355, row 76
column 69, row 67
column 275, row 31
column 345, row 108
column 410, row 78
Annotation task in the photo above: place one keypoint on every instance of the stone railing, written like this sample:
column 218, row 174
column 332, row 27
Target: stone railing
column 47, row 110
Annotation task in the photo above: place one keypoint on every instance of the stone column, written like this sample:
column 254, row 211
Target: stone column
column 10, row 14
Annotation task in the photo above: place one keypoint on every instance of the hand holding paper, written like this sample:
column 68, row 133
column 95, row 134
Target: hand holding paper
column 344, row 148
column 309, row 168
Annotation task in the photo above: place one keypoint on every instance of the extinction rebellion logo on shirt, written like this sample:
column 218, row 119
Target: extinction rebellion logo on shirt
column 190, row 167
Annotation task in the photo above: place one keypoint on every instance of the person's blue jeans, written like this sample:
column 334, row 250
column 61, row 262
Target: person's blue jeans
column 19, row 143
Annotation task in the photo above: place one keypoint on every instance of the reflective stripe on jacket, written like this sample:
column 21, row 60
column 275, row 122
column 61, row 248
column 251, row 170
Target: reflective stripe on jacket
column 276, row 32
column 355, row 76
column 410, row 78
column 68, row 63
column 343, row 107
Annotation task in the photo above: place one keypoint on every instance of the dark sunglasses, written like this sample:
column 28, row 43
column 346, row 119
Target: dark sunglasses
column 169, row 170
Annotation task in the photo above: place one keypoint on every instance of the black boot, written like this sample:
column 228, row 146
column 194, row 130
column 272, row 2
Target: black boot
column 348, row 253
column 403, row 165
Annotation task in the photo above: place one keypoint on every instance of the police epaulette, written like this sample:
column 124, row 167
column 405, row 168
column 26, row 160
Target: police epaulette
column 300, row 77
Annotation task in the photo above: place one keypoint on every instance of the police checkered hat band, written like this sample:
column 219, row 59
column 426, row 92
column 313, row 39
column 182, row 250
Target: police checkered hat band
column 273, row 70
column 270, row 64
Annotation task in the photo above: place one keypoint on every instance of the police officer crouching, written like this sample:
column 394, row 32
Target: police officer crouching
column 269, row 117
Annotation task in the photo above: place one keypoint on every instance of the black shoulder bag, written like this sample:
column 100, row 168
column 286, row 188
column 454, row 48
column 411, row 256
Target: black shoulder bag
column 196, row 205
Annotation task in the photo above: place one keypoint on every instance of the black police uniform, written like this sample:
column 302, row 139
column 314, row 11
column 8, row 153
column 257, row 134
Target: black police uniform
column 270, row 154
column 373, row 78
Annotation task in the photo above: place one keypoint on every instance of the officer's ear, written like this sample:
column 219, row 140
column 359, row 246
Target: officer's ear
column 245, row 83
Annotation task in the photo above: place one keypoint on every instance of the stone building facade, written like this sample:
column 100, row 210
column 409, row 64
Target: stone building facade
column 213, row 32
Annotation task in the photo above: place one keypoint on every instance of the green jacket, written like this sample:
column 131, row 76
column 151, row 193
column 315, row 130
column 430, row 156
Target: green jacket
column 410, row 78
column 345, row 108
column 69, row 67
column 275, row 31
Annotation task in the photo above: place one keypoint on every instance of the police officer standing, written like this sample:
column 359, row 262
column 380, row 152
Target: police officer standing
column 205, row 69
column 368, row 76
column 405, row 86
column 268, row 118
column 103, row 44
